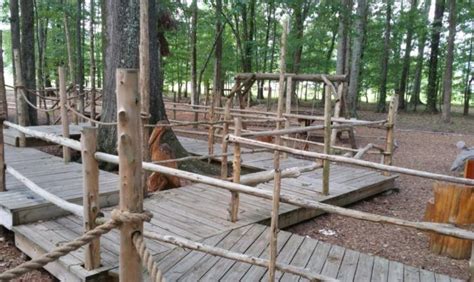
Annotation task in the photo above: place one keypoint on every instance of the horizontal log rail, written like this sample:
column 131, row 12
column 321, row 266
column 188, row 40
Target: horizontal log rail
column 351, row 161
column 65, row 205
column 297, row 77
column 445, row 229
column 303, row 129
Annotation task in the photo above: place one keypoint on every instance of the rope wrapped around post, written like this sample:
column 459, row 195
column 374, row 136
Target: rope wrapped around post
column 147, row 258
column 118, row 217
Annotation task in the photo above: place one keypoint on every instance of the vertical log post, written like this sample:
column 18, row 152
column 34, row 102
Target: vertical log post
column 2, row 158
column 225, row 144
column 289, row 86
column 130, row 168
column 210, row 140
column 144, row 50
column 337, row 111
column 3, row 116
column 90, row 174
column 276, row 160
column 236, row 165
column 3, row 91
column 64, row 118
column 390, row 125
column 22, row 110
column 92, row 61
column 327, row 138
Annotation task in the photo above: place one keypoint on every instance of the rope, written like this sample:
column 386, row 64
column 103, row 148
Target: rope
column 147, row 258
column 59, row 251
column 117, row 218
column 88, row 118
column 34, row 106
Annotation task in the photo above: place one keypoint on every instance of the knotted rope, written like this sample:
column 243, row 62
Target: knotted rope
column 118, row 217
column 147, row 258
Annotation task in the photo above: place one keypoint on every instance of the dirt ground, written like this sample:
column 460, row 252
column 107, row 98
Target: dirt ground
column 424, row 142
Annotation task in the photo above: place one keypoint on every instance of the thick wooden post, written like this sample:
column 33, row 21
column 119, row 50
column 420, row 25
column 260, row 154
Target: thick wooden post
column 130, row 168
column 327, row 138
column 236, row 164
column 391, row 119
column 145, row 84
column 289, row 86
column 90, row 176
column 210, row 139
column 22, row 110
column 64, row 118
column 276, row 159
column 225, row 144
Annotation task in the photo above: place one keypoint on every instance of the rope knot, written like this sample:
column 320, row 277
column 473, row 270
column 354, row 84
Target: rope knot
column 125, row 216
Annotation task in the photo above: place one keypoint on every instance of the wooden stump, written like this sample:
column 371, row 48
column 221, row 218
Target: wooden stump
column 452, row 204
column 469, row 169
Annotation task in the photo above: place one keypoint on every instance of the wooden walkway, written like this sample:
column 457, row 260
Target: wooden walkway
column 197, row 212
column 320, row 257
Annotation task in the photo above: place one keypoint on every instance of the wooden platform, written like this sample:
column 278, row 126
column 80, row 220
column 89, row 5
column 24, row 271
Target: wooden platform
column 19, row 205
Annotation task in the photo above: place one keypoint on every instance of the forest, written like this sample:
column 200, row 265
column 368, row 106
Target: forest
column 421, row 50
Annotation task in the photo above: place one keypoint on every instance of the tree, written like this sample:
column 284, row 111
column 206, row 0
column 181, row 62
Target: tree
column 342, row 37
column 79, row 54
column 406, row 57
column 467, row 87
column 381, row 107
column 431, row 92
column 448, row 71
column 15, row 33
column 218, row 79
column 28, row 54
column 194, row 86
column 357, row 45
column 415, row 98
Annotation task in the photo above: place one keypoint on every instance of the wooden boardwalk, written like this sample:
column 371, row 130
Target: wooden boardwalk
column 197, row 212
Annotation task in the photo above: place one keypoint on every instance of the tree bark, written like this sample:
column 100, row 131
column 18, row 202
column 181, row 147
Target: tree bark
column 79, row 55
column 406, row 57
column 357, row 45
column 194, row 92
column 28, row 54
column 265, row 51
column 433, row 65
column 467, row 89
column 415, row 98
column 344, row 14
column 15, row 38
column 218, row 78
column 381, row 106
column 448, row 70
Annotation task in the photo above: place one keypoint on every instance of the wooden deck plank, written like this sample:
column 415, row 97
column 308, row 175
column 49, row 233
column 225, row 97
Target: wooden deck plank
column 301, row 258
column 395, row 271
column 364, row 268
column 411, row 274
column 380, row 270
column 333, row 261
column 348, row 266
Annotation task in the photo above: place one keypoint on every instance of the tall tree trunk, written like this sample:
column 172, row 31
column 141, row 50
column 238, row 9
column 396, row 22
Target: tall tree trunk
column 406, row 58
column 194, row 91
column 122, row 52
column 28, row 54
column 92, row 52
column 272, row 60
column 79, row 55
column 360, row 23
column 344, row 15
column 448, row 70
column 265, row 51
column 467, row 89
column 15, row 36
column 433, row 65
column 415, row 97
column 70, row 54
column 218, row 79
column 381, row 106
